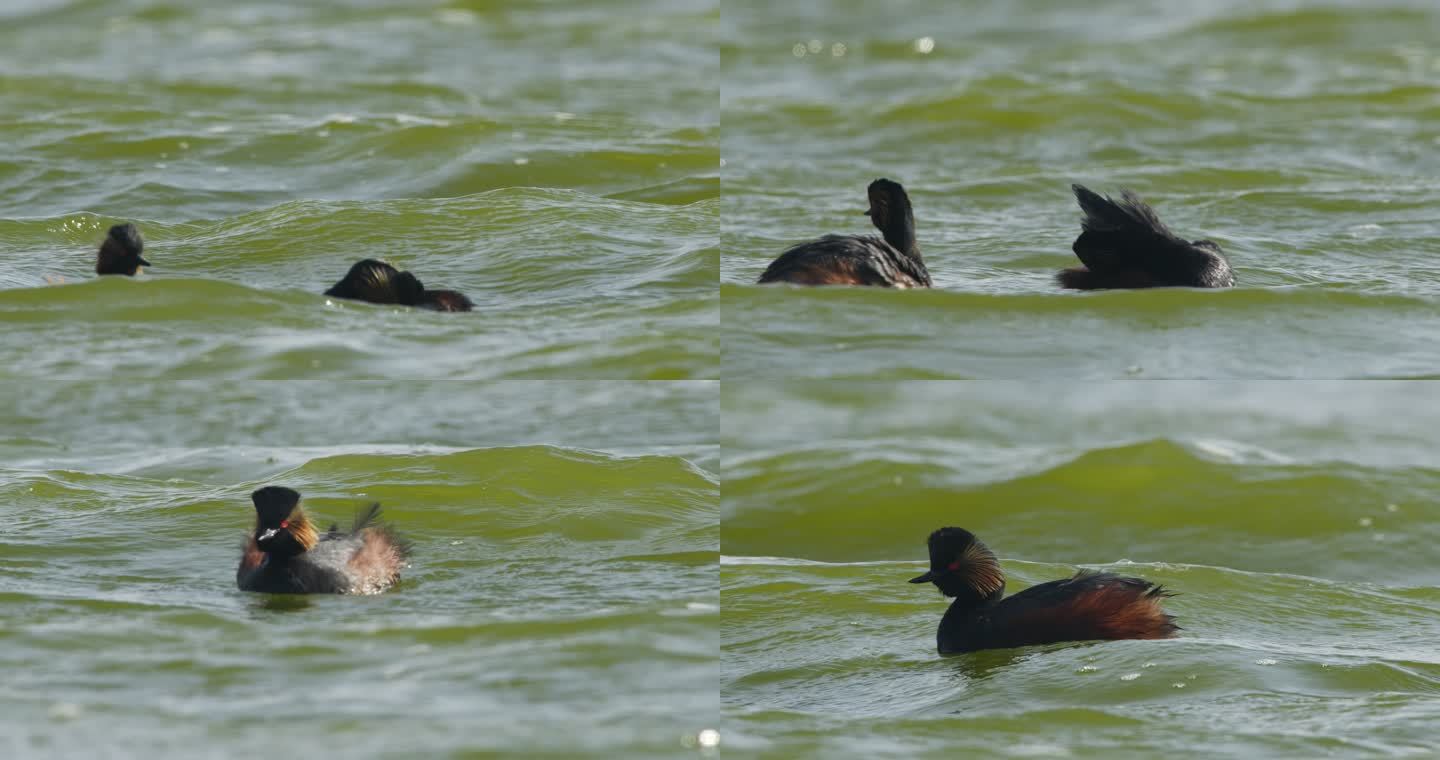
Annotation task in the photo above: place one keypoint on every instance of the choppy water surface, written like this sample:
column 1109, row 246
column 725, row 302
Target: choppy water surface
column 1296, row 521
column 561, row 600
column 557, row 162
column 1302, row 138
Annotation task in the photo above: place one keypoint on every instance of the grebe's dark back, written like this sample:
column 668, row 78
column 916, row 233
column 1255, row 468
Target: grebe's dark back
column 377, row 281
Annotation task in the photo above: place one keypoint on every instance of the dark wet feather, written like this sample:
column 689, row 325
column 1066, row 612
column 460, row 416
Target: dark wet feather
column 847, row 260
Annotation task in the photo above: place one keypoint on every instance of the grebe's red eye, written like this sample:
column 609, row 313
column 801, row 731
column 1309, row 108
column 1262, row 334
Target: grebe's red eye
column 284, row 523
column 955, row 565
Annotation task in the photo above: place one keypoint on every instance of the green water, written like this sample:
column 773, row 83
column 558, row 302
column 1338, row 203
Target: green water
column 1301, row 138
column 1296, row 523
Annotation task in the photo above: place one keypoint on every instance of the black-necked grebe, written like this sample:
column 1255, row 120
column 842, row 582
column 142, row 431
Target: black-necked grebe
column 861, row 259
column 286, row 555
column 1087, row 607
column 120, row 252
column 378, row 282
column 1125, row 245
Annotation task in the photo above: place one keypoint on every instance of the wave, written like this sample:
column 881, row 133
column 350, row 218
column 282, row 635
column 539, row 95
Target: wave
column 1149, row 501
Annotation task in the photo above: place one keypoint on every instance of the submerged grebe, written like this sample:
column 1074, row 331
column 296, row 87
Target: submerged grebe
column 861, row 259
column 1125, row 245
column 120, row 252
column 378, row 282
column 285, row 554
column 1089, row 606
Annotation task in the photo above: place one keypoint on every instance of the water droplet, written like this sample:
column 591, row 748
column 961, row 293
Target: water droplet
column 456, row 17
column 925, row 45
column 65, row 711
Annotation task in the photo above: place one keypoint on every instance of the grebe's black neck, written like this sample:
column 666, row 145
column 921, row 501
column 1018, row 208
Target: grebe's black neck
column 890, row 212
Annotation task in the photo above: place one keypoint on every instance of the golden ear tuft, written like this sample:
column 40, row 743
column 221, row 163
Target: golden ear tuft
column 981, row 569
column 302, row 529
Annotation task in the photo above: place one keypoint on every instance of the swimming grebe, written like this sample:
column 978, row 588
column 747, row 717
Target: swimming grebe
column 1125, row 245
column 120, row 252
column 378, row 282
column 861, row 259
column 285, row 554
column 1089, row 606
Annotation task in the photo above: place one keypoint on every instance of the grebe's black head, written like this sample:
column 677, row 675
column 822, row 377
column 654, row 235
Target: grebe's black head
column 1210, row 268
column 891, row 214
column 280, row 525
column 962, row 566
column 120, row 253
column 887, row 201
column 378, row 282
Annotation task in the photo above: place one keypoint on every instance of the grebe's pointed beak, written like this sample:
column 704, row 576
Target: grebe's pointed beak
column 143, row 261
column 267, row 535
column 928, row 577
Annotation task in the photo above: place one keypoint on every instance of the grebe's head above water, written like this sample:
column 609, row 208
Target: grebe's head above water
column 281, row 527
column 120, row 252
column 962, row 566
column 377, row 281
column 890, row 212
